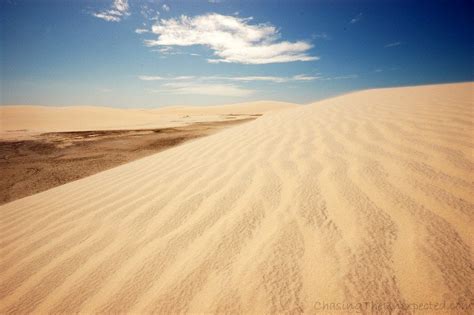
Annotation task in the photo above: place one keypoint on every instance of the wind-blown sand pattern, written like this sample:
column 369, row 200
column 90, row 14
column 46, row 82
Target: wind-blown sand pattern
column 366, row 197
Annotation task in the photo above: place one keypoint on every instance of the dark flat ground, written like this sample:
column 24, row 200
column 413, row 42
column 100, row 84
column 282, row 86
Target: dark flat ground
column 28, row 167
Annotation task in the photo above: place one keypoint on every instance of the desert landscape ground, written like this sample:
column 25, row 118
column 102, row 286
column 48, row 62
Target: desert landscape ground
column 362, row 201
column 55, row 158
column 43, row 147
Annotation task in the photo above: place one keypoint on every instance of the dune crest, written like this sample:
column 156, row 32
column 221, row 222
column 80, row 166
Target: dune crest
column 366, row 197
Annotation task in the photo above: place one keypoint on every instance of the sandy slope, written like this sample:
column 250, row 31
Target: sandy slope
column 55, row 119
column 364, row 197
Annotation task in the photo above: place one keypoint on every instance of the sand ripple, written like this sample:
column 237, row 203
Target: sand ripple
column 366, row 197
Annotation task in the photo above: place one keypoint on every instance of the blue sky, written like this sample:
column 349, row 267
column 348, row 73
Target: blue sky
column 152, row 53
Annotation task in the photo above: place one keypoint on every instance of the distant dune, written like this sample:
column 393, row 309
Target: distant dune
column 258, row 107
column 75, row 118
column 362, row 198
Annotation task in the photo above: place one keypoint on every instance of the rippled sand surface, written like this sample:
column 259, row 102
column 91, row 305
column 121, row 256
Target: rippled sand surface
column 367, row 197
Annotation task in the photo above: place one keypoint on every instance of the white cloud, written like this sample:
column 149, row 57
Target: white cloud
column 190, row 88
column 252, row 78
column 215, row 85
column 106, row 16
column 150, row 78
column 165, row 50
column 275, row 79
column 356, row 19
column 141, row 30
column 149, row 13
column 214, row 1
column 304, row 77
column 165, row 8
column 168, row 50
column 394, row 44
column 184, row 77
column 341, row 77
column 121, row 5
column 232, row 39
column 118, row 10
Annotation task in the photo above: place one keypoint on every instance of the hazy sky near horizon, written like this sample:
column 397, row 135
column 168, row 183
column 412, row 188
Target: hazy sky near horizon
column 154, row 52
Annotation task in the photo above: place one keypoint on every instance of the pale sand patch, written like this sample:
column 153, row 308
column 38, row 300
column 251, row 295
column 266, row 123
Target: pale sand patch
column 366, row 197
column 18, row 119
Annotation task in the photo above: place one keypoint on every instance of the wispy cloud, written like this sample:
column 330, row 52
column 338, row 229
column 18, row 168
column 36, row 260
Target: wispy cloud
column 170, row 51
column 165, row 8
column 184, row 77
column 150, row 78
column 216, row 85
column 107, row 16
column 394, row 44
column 275, row 79
column 245, row 78
column 118, row 10
column 214, row 1
column 232, row 39
column 192, row 88
column 356, row 19
column 340, row 77
column 141, row 30
column 322, row 35
column 304, row 77
column 165, row 50
column 149, row 13
column 158, row 78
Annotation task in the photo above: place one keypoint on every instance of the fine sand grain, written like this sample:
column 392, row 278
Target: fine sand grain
column 363, row 198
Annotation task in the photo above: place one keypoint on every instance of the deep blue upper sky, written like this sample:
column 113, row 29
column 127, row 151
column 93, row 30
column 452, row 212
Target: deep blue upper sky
column 67, row 52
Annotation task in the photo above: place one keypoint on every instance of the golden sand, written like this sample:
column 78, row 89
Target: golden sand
column 367, row 197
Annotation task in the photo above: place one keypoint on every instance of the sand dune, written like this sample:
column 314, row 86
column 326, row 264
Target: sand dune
column 76, row 118
column 366, row 197
column 32, row 163
column 258, row 107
